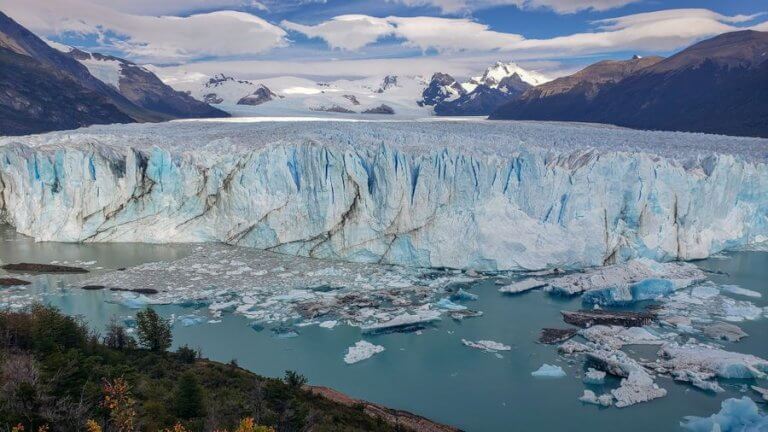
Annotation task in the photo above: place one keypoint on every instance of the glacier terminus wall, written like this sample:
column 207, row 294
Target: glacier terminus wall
column 460, row 194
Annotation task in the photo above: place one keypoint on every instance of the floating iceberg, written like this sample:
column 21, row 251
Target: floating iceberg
column 735, row 415
column 523, row 286
column 360, row 351
column 464, row 194
column 590, row 397
column 190, row 320
column 708, row 360
column 594, row 377
column 449, row 305
column 548, row 371
column 734, row 289
column 487, row 345
column 638, row 279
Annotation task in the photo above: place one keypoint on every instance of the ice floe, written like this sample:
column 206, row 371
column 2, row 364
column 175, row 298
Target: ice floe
column 594, row 377
column 272, row 288
column 360, row 351
column 548, row 371
column 735, row 415
column 590, row 397
column 487, row 345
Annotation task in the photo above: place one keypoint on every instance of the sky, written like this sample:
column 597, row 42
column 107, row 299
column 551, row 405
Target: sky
column 358, row 38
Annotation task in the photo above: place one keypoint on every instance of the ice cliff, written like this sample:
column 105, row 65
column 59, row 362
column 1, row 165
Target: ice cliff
column 504, row 195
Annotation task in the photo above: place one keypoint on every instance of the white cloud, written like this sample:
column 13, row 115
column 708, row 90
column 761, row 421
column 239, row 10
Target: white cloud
column 653, row 31
column 558, row 6
column 348, row 32
column 174, row 7
column 150, row 38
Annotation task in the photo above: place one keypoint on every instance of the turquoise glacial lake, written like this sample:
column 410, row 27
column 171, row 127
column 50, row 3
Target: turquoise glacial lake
column 428, row 372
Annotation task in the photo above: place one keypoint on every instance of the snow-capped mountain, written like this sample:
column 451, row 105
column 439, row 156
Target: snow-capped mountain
column 401, row 95
column 501, row 83
column 300, row 96
column 495, row 74
column 141, row 86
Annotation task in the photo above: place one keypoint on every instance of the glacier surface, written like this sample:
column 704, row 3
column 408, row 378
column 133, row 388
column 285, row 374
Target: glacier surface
column 457, row 194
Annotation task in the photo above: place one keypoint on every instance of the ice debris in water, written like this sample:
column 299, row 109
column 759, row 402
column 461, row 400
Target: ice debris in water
column 523, row 286
column 190, row 320
column 272, row 288
column 328, row 324
column 647, row 289
column 487, row 345
column 711, row 361
column 735, row 415
column 590, row 397
column 449, row 305
column 735, row 289
column 548, row 371
column 622, row 277
column 704, row 303
column 360, row 351
column 462, row 295
column 594, row 377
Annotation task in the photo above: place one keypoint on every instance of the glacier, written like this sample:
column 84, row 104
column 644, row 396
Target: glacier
column 464, row 194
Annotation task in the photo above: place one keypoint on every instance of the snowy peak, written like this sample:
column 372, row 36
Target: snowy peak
column 494, row 75
column 261, row 95
column 441, row 87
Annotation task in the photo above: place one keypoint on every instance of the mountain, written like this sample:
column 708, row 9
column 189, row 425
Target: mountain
column 142, row 87
column 719, row 85
column 45, row 89
column 441, row 87
column 295, row 96
column 261, row 95
column 481, row 95
column 37, row 98
column 566, row 96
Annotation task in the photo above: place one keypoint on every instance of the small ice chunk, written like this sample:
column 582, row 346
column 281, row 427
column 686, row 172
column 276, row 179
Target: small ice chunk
column 329, row 324
column 590, row 397
column 636, row 388
column 594, row 376
column 190, row 320
column 487, row 345
column 360, row 351
column 522, row 286
column 735, row 289
column 549, row 371
column 462, row 295
column 449, row 305
column 735, row 415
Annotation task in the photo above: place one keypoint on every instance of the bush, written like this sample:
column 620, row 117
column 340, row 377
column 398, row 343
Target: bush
column 153, row 330
column 189, row 397
column 116, row 337
column 295, row 380
column 186, row 354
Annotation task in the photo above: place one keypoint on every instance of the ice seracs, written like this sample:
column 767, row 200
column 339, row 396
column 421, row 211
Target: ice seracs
column 360, row 351
column 446, row 194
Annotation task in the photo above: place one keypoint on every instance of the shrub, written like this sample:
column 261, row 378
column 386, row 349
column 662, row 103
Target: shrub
column 189, row 397
column 153, row 330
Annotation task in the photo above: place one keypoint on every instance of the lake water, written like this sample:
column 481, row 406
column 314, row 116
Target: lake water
column 430, row 372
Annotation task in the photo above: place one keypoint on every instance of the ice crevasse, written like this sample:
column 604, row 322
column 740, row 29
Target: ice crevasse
column 476, row 195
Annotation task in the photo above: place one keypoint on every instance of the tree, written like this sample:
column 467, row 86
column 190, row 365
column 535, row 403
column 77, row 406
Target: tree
column 294, row 380
column 189, row 397
column 154, row 331
column 117, row 337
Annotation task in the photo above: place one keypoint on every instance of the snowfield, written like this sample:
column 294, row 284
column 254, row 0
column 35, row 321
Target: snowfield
column 459, row 194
